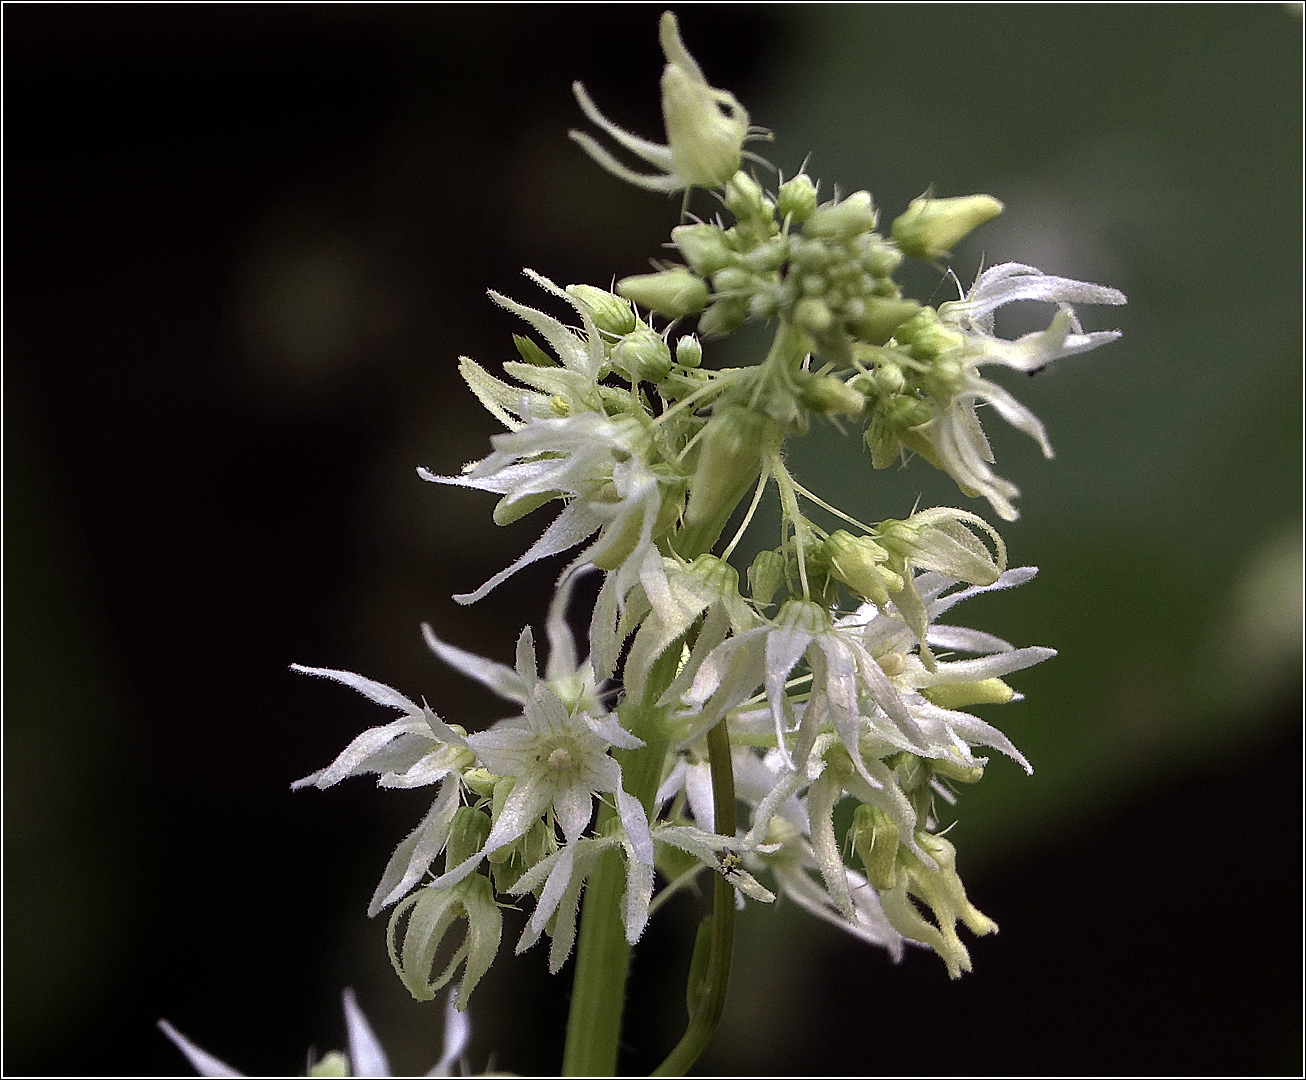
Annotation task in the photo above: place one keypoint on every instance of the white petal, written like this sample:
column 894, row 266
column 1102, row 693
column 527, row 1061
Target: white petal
column 366, row 1058
column 201, row 1061
column 570, row 527
column 414, row 855
column 498, row 677
column 634, row 821
column 378, row 692
column 457, row 1036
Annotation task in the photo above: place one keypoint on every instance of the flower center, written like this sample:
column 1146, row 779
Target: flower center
column 560, row 760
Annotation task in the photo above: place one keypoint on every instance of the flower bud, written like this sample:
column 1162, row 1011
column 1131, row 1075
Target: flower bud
column 830, row 395
column 642, row 356
column 938, row 539
column 766, row 575
column 729, row 462
column 672, row 293
column 959, row 695
column 610, row 313
column 706, row 127
column 812, row 315
column 532, row 353
column 951, row 769
column 929, row 228
column 468, row 832
column 881, row 317
column 689, row 351
column 431, row 914
column 858, row 561
column 841, row 220
column 725, row 316
column 744, row 197
column 796, row 199
column 703, row 246
column 874, row 838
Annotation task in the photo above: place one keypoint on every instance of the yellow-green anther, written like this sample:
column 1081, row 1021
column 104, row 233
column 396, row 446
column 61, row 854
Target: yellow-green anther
column 467, row 835
column 874, row 838
column 796, row 199
column 610, row 313
column 642, row 356
column 959, row 695
column 689, row 351
column 703, row 246
column 672, row 293
column 532, row 353
column 829, row 395
column 881, row 317
column 766, row 575
column 929, row 228
column 855, row 214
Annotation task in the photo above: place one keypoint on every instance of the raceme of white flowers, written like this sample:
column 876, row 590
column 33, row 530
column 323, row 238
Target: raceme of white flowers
column 831, row 663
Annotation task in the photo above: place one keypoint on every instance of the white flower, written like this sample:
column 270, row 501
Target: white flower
column 365, row 1057
column 417, row 750
column 955, row 430
column 597, row 463
column 706, row 127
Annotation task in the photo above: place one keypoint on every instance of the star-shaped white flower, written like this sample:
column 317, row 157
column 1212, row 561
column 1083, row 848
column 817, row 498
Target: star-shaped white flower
column 955, row 431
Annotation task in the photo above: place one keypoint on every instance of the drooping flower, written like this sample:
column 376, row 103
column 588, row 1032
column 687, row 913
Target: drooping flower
column 365, row 1057
column 706, row 127
column 968, row 341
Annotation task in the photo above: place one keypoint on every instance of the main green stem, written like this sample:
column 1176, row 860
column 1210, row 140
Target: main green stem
column 598, row 994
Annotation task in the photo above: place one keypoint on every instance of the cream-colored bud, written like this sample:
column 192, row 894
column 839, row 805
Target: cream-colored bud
column 610, row 313
column 929, row 228
column 672, row 293
column 706, row 127
column 855, row 214
column 703, row 246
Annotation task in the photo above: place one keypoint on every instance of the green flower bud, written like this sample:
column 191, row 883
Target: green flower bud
column 881, row 317
column 812, row 315
column 619, row 545
column 733, row 279
column 468, row 832
column 689, row 351
column 766, row 575
column 929, row 228
column 744, row 197
column 610, row 313
column 729, row 462
column 480, row 782
column 810, row 255
column 959, row 695
column 642, row 356
column 509, row 509
column 881, row 258
column 796, row 199
column 770, row 256
column 763, row 305
column 855, row 214
column 955, row 770
column 830, row 395
column 858, row 561
column 672, row 293
column 724, row 317
column 532, row 353
column 703, row 246
column 938, row 539
column 889, row 379
column 874, row 838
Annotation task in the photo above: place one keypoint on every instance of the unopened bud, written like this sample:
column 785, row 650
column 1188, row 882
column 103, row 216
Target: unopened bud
column 672, row 293
column 532, row 353
column 881, row 317
column 830, row 395
column 728, row 465
column 468, row 832
column 724, row 317
column 642, row 356
column 796, row 199
column 689, row 351
column 766, row 575
column 744, row 197
column 929, row 228
column 959, row 695
column 855, row 214
column 858, row 561
column 874, row 838
column 703, row 246
column 610, row 313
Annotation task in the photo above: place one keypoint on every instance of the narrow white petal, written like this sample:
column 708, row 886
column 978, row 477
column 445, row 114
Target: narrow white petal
column 457, row 1036
column 654, row 153
column 378, row 692
column 569, row 528
column 201, row 1061
column 498, row 677
column 366, row 1057
column 634, row 821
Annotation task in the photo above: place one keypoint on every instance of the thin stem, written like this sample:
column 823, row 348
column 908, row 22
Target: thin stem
column 794, row 517
column 748, row 517
column 826, row 506
column 703, row 1024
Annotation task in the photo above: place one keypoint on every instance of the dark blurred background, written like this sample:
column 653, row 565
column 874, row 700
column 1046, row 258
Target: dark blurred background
column 244, row 248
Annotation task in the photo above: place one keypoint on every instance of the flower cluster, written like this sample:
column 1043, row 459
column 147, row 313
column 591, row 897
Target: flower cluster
column 823, row 676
